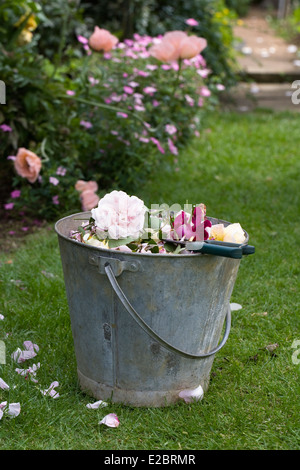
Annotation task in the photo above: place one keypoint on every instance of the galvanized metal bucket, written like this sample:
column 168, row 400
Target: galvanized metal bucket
column 145, row 326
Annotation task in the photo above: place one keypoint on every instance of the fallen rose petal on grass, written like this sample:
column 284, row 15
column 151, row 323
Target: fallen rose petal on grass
column 97, row 404
column 234, row 306
column 30, row 351
column 12, row 410
column 192, row 395
column 3, row 385
column 111, row 420
column 30, row 372
column 50, row 391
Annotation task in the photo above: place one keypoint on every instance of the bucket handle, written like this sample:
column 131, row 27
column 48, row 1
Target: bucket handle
column 116, row 287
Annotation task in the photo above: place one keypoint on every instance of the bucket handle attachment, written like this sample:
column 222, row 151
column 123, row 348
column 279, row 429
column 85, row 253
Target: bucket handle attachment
column 122, row 297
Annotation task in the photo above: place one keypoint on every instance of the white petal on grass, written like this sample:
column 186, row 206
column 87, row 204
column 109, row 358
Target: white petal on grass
column 50, row 391
column 195, row 394
column 97, row 404
column 28, row 353
column 3, row 385
column 12, row 410
column 30, row 372
column 235, row 306
column 111, row 420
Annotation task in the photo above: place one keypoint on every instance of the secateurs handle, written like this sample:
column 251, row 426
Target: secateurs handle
column 218, row 250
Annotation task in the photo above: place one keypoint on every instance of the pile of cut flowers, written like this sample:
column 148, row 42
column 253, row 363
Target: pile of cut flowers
column 122, row 222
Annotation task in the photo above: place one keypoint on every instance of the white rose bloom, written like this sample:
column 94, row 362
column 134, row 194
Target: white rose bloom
column 119, row 215
column 234, row 233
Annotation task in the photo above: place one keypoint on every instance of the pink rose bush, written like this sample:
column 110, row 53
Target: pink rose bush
column 140, row 100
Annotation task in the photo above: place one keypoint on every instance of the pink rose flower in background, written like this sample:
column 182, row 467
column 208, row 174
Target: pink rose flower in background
column 177, row 45
column 88, row 196
column 119, row 216
column 89, row 200
column 27, row 164
column 164, row 52
column 192, row 46
column 82, row 185
column 102, row 40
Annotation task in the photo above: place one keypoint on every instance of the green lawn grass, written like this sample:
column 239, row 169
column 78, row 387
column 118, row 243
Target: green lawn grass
column 245, row 168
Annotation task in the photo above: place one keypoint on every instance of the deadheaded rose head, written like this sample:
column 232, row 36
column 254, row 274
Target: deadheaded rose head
column 102, row 40
column 234, row 233
column 27, row 164
column 119, row 216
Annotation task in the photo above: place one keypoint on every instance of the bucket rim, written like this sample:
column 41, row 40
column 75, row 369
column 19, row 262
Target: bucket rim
column 125, row 253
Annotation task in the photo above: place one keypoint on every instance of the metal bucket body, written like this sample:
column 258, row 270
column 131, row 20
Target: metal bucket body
column 183, row 298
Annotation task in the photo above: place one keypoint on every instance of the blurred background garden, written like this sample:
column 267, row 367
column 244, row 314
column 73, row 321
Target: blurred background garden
column 102, row 115
column 107, row 115
column 82, row 117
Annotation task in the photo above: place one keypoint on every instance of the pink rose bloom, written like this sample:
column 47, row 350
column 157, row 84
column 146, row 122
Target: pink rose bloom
column 191, row 46
column 27, row 164
column 89, row 199
column 88, row 196
column 177, row 45
column 82, row 185
column 102, row 40
column 119, row 216
column 164, row 52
